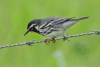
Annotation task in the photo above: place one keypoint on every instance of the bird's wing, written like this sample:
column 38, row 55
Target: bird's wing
column 55, row 23
column 44, row 22
column 49, row 22
column 59, row 21
column 51, row 25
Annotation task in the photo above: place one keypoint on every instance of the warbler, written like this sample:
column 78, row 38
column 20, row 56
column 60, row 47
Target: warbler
column 52, row 27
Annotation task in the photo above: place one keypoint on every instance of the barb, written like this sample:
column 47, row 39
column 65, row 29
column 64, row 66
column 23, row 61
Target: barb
column 64, row 38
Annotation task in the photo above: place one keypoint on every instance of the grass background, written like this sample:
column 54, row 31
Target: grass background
column 80, row 52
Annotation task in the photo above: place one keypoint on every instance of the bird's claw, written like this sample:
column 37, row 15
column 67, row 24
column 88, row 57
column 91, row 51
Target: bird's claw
column 53, row 40
column 47, row 41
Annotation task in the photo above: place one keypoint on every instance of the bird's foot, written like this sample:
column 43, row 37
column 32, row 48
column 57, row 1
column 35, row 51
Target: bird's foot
column 46, row 41
column 53, row 40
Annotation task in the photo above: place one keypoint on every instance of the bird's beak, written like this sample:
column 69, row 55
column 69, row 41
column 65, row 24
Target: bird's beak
column 26, row 32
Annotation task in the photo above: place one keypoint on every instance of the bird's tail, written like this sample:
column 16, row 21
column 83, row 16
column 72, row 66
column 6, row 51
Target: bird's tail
column 72, row 21
column 80, row 18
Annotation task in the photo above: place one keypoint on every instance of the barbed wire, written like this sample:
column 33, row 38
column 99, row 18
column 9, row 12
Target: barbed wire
column 64, row 38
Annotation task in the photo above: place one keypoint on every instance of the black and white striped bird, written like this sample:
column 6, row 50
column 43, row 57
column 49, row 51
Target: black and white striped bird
column 51, row 27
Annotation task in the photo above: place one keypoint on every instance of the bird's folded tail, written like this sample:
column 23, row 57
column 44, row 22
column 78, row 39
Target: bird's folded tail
column 80, row 18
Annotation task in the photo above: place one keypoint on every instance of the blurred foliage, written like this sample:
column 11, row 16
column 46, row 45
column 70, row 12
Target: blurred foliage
column 80, row 52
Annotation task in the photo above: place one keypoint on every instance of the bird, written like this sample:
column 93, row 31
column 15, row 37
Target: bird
column 52, row 27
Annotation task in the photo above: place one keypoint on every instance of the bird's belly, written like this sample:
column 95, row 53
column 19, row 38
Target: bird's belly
column 55, row 34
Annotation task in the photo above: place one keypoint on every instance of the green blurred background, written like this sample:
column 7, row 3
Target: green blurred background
column 80, row 52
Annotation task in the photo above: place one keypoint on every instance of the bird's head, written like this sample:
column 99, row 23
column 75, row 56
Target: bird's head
column 32, row 26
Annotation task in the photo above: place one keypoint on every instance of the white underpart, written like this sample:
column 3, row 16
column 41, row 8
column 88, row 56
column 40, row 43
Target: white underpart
column 62, row 31
column 55, row 33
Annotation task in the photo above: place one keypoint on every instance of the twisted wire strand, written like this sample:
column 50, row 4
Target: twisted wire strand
column 64, row 38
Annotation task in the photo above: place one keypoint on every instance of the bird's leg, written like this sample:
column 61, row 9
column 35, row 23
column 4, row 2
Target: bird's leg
column 53, row 39
column 46, row 41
